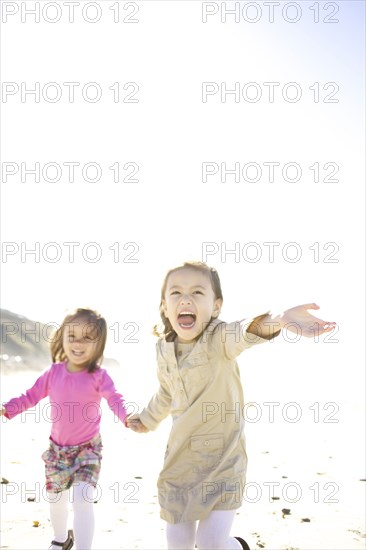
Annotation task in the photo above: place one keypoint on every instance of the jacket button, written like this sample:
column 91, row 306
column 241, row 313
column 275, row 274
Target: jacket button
column 207, row 442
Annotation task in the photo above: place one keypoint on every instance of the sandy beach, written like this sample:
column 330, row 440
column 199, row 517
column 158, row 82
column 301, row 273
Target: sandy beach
column 305, row 482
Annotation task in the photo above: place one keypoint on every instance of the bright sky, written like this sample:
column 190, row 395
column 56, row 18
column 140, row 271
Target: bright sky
column 107, row 244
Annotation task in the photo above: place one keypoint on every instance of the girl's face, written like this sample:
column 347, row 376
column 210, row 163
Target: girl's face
column 190, row 303
column 80, row 341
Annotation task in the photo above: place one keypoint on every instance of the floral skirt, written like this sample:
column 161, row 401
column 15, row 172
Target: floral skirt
column 71, row 464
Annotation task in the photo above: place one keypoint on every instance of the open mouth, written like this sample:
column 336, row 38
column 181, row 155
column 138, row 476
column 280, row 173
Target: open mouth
column 186, row 319
column 77, row 353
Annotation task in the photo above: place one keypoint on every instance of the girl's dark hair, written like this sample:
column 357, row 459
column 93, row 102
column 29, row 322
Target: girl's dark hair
column 167, row 330
column 97, row 329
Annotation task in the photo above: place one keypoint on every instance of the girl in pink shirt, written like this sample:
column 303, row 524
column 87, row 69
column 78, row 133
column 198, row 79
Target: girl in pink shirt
column 75, row 385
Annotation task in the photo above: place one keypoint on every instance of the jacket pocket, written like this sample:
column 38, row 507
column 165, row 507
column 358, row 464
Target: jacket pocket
column 197, row 369
column 198, row 360
column 207, row 451
column 167, row 375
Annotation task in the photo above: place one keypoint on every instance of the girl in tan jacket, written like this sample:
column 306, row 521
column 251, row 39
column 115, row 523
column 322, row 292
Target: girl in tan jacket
column 202, row 480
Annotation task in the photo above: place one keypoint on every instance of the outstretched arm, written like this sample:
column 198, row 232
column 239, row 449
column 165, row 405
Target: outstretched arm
column 297, row 319
column 31, row 397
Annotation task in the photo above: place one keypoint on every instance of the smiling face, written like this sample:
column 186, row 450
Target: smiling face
column 80, row 344
column 190, row 303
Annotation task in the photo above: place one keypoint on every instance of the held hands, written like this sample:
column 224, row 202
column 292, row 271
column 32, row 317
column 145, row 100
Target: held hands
column 134, row 422
column 299, row 319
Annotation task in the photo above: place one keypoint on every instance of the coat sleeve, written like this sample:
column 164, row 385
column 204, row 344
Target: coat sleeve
column 159, row 406
column 231, row 339
column 31, row 397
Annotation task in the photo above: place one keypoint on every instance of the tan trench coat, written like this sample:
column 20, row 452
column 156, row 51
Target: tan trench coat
column 205, row 460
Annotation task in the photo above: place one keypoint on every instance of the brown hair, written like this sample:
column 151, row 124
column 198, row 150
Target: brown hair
column 167, row 330
column 98, row 330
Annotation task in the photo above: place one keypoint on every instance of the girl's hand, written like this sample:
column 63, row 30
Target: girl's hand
column 2, row 412
column 298, row 319
column 135, row 424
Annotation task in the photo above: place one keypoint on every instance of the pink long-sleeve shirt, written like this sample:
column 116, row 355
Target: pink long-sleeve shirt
column 74, row 407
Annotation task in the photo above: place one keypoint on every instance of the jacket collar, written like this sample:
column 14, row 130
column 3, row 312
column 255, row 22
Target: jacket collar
column 167, row 348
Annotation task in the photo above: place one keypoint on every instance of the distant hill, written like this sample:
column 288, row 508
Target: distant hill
column 25, row 344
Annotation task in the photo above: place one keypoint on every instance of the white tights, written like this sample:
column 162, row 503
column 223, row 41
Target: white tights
column 212, row 533
column 83, row 515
